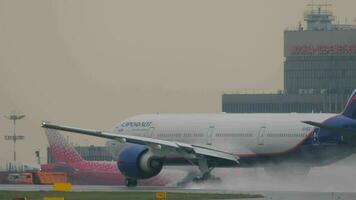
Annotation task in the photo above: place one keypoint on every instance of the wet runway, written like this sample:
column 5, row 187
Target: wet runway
column 276, row 195
column 324, row 183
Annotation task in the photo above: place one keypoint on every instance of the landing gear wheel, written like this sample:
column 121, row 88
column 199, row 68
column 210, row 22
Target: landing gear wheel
column 208, row 178
column 131, row 182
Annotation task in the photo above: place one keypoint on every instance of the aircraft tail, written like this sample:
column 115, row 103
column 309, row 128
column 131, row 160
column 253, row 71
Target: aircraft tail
column 343, row 124
column 350, row 108
column 62, row 151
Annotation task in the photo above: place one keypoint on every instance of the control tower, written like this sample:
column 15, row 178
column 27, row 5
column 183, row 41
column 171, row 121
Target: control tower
column 319, row 69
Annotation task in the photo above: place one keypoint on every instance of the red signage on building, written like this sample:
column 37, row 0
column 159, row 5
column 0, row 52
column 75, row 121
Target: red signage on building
column 11, row 137
column 323, row 49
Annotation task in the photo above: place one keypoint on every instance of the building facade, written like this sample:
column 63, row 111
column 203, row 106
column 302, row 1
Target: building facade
column 283, row 103
column 320, row 62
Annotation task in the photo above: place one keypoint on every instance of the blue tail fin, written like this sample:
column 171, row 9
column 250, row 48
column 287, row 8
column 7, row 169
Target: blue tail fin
column 350, row 108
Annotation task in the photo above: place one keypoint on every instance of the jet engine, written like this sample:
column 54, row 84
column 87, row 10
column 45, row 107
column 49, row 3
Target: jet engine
column 139, row 162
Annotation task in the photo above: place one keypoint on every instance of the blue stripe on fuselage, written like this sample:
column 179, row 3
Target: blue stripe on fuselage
column 320, row 148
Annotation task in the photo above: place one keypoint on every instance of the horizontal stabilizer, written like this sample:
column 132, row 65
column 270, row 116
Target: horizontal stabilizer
column 346, row 132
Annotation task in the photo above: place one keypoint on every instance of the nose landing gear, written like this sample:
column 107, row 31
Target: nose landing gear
column 129, row 182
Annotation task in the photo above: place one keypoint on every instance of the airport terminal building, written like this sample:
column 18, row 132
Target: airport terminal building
column 319, row 70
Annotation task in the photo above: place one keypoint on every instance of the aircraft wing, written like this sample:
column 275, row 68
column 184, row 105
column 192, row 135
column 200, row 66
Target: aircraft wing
column 188, row 151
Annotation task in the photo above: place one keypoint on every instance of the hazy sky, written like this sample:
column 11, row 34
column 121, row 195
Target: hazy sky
column 93, row 63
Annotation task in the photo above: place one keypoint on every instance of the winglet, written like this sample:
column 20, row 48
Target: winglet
column 44, row 123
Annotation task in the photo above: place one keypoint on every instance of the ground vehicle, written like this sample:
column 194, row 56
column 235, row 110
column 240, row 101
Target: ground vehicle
column 37, row 177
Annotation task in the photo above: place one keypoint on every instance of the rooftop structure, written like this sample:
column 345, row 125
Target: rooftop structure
column 320, row 18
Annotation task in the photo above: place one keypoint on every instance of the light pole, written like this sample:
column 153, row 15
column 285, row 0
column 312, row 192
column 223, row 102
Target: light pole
column 37, row 153
column 14, row 137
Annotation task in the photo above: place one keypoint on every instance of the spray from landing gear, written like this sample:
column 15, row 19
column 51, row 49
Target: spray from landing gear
column 331, row 178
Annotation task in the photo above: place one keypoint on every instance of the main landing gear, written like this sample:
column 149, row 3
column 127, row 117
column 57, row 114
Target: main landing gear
column 205, row 170
column 204, row 176
column 129, row 182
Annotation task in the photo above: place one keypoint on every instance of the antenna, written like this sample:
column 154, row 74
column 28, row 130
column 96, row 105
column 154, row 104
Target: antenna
column 300, row 27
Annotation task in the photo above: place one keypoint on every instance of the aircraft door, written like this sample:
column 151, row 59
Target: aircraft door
column 261, row 135
column 316, row 136
column 150, row 132
column 209, row 135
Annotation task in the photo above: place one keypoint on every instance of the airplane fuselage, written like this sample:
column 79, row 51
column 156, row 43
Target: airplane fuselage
column 258, row 139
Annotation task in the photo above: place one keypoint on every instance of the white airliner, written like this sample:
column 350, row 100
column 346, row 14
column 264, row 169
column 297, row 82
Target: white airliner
column 229, row 140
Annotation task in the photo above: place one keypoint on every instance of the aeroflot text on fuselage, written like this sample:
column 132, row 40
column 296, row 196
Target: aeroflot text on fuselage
column 136, row 124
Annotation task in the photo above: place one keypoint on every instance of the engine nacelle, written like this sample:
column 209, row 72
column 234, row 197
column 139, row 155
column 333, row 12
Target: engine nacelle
column 139, row 162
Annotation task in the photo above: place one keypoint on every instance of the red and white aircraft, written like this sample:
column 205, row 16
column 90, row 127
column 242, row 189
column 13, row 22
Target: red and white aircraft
column 82, row 172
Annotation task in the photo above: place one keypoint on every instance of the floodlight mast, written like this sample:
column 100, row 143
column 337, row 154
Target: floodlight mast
column 13, row 118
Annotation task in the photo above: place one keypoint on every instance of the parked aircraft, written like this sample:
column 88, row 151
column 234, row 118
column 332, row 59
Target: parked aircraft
column 80, row 171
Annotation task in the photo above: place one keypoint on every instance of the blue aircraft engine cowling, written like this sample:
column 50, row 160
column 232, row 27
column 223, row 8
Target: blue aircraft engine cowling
column 139, row 162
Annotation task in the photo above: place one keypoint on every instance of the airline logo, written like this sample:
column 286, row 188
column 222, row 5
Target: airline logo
column 136, row 124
